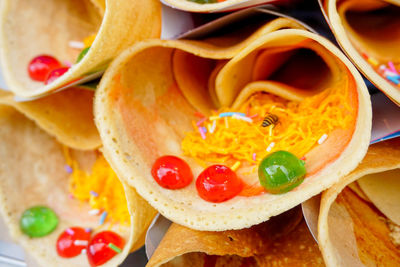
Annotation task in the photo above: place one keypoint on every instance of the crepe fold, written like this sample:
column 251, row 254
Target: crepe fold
column 356, row 230
column 282, row 241
column 66, row 115
column 217, row 6
column 148, row 98
column 369, row 35
column 53, row 24
column 32, row 173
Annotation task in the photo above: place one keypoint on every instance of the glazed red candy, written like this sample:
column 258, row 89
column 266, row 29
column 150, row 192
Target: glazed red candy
column 99, row 250
column 54, row 74
column 171, row 172
column 40, row 67
column 72, row 241
column 218, row 183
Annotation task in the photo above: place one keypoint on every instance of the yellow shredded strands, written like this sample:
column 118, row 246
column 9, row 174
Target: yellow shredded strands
column 88, row 41
column 301, row 125
column 103, row 181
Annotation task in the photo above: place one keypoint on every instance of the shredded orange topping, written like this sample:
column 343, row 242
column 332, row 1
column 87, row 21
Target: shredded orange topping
column 100, row 188
column 300, row 126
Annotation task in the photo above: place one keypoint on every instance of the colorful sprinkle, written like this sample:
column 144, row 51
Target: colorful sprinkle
column 373, row 61
column 226, row 122
column 103, row 217
column 202, row 133
column 214, row 125
column 230, row 114
column 213, row 118
column 253, row 116
column 68, row 63
column 68, row 169
column 269, row 148
column 88, row 230
column 76, row 44
column 392, row 67
column 81, row 242
column 114, row 247
column 254, row 156
column 200, row 122
column 322, row 139
column 235, row 166
column 242, row 118
column 393, row 79
column 94, row 212
column 94, row 193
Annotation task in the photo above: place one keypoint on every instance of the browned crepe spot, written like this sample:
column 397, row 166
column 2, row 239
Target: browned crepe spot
column 371, row 230
column 282, row 241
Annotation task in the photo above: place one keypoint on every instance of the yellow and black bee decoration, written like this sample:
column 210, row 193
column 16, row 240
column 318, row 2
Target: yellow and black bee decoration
column 270, row 119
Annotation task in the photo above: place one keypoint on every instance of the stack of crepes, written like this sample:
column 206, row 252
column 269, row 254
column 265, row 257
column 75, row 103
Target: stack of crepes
column 359, row 222
column 50, row 148
column 369, row 34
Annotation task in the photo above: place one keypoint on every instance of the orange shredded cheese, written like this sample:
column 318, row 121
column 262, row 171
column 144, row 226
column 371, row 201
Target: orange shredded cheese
column 104, row 182
column 300, row 126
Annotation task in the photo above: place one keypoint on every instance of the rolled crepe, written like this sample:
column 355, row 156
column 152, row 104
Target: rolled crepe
column 282, row 241
column 32, row 173
column 53, row 24
column 353, row 231
column 66, row 115
column 148, row 98
column 214, row 5
column 369, row 34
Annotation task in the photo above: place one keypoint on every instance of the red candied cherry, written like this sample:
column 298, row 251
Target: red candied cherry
column 171, row 172
column 72, row 241
column 54, row 74
column 218, row 183
column 40, row 67
column 103, row 247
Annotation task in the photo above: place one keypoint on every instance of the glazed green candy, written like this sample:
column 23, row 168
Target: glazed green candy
column 280, row 172
column 82, row 54
column 38, row 221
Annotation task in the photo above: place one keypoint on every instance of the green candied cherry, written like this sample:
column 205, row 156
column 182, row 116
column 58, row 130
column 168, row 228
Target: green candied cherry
column 38, row 221
column 280, row 172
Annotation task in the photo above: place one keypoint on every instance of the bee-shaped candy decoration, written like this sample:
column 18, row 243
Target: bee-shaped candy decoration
column 270, row 119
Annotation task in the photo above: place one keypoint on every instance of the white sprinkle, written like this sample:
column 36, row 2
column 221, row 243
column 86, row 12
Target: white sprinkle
column 81, row 242
column 269, row 148
column 322, row 139
column 94, row 212
column 83, row 251
column 214, row 125
column 243, row 118
column 76, row 44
